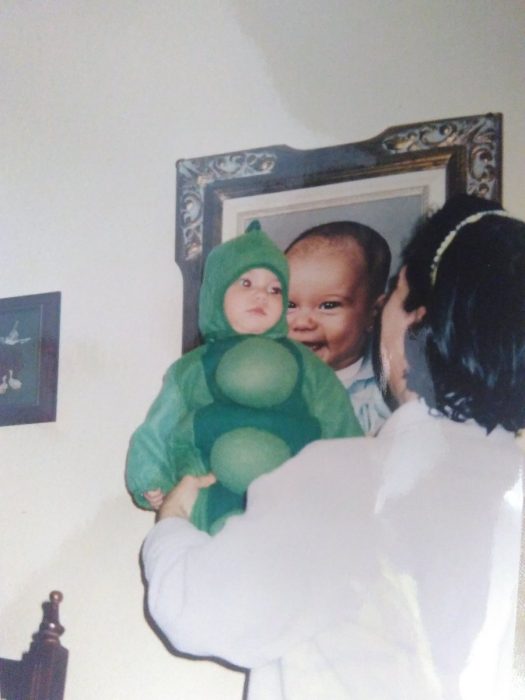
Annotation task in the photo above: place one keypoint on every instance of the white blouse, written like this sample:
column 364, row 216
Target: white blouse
column 365, row 568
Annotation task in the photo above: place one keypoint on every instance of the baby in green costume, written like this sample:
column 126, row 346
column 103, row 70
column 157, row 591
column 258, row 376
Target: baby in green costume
column 246, row 400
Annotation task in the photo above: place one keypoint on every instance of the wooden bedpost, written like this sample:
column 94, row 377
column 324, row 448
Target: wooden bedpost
column 41, row 673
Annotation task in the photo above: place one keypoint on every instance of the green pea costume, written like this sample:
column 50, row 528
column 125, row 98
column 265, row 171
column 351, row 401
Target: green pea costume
column 239, row 405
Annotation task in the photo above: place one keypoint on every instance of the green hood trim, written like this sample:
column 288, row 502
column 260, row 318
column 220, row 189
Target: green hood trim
column 225, row 264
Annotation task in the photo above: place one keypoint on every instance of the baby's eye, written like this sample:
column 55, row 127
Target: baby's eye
column 292, row 305
column 329, row 305
column 275, row 290
column 245, row 282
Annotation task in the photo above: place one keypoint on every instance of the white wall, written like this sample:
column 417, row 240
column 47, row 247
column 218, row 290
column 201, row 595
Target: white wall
column 99, row 99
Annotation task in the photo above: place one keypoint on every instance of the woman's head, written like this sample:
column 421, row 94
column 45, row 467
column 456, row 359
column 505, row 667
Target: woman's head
column 465, row 350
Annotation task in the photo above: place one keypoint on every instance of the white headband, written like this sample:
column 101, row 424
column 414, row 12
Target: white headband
column 472, row 219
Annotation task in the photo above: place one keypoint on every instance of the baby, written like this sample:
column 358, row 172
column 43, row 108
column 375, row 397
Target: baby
column 338, row 273
column 245, row 401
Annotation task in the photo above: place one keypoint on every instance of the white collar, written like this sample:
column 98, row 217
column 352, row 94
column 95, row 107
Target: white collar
column 346, row 374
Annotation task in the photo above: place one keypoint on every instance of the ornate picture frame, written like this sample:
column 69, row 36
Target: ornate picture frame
column 29, row 338
column 466, row 151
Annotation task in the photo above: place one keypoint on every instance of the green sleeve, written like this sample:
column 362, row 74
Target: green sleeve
column 162, row 449
column 327, row 399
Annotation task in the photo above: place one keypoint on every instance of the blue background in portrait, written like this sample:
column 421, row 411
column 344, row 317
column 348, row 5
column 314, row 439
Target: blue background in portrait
column 29, row 326
column 392, row 217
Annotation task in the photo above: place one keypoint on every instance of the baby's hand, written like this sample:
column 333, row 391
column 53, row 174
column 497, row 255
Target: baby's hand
column 180, row 501
column 154, row 498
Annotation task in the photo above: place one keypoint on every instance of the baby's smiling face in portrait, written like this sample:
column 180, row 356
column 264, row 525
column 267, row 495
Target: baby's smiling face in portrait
column 330, row 309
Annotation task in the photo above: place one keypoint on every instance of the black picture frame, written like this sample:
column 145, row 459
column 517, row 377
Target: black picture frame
column 468, row 151
column 29, row 344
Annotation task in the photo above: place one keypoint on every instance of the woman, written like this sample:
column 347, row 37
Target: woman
column 382, row 568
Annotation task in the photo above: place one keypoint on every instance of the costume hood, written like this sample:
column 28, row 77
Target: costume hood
column 225, row 264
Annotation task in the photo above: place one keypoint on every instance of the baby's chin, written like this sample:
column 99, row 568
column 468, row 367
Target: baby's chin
column 253, row 326
column 323, row 353
column 319, row 349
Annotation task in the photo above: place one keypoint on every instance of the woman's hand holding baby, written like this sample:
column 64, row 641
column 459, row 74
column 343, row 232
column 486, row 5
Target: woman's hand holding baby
column 154, row 498
column 179, row 502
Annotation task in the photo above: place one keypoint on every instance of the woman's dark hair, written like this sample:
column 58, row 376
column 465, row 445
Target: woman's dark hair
column 472, row 337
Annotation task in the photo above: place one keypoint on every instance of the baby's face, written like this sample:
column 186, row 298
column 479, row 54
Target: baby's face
column 329, row 309
column 253, row 303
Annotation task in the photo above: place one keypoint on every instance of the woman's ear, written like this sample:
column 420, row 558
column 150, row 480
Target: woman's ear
column 379, row 303
column 418, row 314
column 375, row 311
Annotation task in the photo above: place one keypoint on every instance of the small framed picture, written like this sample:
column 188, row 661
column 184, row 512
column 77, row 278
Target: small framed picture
column 29, row 338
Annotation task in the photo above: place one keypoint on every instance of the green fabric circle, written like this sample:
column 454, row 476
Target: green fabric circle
column 241, row 455
column 258, row 372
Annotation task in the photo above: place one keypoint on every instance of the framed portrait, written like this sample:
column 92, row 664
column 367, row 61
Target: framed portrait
column 29, row 337
column 387, row 182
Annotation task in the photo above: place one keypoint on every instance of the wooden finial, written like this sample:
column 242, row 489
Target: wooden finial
column 50, row 629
